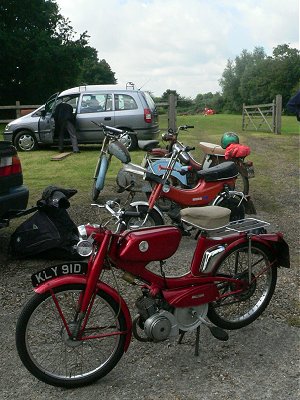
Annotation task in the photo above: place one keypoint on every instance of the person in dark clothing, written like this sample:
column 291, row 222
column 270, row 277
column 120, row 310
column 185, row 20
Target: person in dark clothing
column 64, row 122
column 293, row 105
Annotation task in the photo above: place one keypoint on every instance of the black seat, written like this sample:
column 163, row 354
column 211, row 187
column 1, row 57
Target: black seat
column 148, row 145
column 221, row 171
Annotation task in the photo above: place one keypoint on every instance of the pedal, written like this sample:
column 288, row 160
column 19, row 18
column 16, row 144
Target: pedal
column 218, row 333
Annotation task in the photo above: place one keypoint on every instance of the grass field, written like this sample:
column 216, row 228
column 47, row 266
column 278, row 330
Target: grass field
column 76, row 171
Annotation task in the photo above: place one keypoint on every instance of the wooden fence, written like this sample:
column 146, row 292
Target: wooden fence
column 263, row 117
column 25, row 109
column 19, row 110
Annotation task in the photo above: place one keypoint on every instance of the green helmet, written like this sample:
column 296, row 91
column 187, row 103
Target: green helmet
column 228, row 138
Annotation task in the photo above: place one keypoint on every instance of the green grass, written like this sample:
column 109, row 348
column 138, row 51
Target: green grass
column 76, row 171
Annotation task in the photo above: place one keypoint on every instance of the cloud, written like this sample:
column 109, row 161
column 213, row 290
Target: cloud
column 176, row 44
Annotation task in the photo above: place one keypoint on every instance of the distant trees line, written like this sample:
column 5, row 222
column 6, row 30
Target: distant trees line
column 251, row 78
column 40, row 55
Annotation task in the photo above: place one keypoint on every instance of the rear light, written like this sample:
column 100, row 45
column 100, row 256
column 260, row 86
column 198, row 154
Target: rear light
column 10, row 166
column 147, row 115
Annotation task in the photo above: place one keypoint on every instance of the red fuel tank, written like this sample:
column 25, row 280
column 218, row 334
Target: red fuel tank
column 149, row 244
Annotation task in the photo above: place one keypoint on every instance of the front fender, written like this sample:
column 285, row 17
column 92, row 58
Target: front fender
column 144, row 203
column 76, row 279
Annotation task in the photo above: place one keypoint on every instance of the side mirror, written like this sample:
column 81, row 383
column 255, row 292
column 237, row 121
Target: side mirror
column 43, row 113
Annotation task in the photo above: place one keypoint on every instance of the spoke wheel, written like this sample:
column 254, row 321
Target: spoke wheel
column 48, row 352
column 238, row 310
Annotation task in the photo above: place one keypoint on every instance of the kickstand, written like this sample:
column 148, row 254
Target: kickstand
column 181, row 337
column 197, row 341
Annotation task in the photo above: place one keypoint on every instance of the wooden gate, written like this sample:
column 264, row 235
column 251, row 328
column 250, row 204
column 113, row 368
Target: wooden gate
column 263, row 117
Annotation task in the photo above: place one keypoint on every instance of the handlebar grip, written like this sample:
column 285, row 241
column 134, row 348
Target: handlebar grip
column 190, row 126
column 188, row 148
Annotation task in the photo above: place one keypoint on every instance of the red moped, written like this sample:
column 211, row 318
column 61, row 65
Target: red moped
column 76, row 327
column 215, row 186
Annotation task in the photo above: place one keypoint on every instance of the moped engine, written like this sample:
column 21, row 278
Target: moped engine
column 157, row 324
column 161, row 326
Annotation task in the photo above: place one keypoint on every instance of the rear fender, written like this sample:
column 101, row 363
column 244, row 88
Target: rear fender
column 274, row 242
column 76, row 279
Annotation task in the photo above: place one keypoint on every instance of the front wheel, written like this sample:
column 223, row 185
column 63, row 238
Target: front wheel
column 48, row 352
column 25, row 141
column 100, row 174
column 153, row 218
column 240, row 309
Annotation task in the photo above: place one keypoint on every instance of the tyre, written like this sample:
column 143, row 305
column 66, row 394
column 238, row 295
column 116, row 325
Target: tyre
column 130, row 141
column 25, row 141
column 236, row 311
column 242, row 184
column 51, row 356
column 154, row 218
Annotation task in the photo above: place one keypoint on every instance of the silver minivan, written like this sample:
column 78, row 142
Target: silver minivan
column 128, row 109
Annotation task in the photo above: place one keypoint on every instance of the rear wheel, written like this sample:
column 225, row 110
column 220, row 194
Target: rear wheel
column 242, row 184
column 240, row 309
column 48, row 352
column 154, row 218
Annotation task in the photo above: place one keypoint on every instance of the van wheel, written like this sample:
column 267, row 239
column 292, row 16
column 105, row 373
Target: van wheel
column 129, row 141
column 25, row 141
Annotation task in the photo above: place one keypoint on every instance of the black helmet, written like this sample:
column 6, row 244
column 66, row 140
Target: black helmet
column 228, row 138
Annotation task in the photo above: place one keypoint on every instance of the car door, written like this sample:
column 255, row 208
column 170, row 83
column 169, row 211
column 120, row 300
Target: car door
column 46, row 121
column 93, row 107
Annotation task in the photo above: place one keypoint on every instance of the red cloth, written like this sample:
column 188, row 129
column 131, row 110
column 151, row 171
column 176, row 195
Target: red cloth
column 236, row 150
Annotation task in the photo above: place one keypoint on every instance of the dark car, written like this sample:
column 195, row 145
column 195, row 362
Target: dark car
column 13, row 194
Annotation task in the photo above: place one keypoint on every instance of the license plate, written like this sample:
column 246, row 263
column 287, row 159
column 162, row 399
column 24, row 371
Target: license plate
column 70, row 268
column 250, row 171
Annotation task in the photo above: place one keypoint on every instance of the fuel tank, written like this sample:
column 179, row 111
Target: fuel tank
column 149, row 244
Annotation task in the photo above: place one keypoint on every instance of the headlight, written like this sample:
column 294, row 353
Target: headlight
column 84, row 248
column 82, row 231
column 7, row 127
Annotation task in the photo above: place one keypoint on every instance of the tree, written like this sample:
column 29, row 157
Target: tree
column 40, row 53
column 255, row 78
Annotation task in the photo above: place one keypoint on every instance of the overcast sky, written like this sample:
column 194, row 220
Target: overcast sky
column 182, row 45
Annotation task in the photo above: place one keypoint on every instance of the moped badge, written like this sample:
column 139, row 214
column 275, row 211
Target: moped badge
column 143, row 246
column 166, row 188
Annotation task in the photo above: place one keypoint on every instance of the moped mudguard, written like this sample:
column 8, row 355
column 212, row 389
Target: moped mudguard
column 274, row 242
column 144, row 203
column 102, row 173
column 76, row 279
column 155, row 168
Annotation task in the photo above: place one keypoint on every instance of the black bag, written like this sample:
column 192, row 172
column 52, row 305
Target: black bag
column 50, row 232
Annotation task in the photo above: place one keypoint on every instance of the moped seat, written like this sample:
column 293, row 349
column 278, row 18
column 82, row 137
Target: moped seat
column 207, row 218
column 148, row 145
column 210, row 148
column 225, row 170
